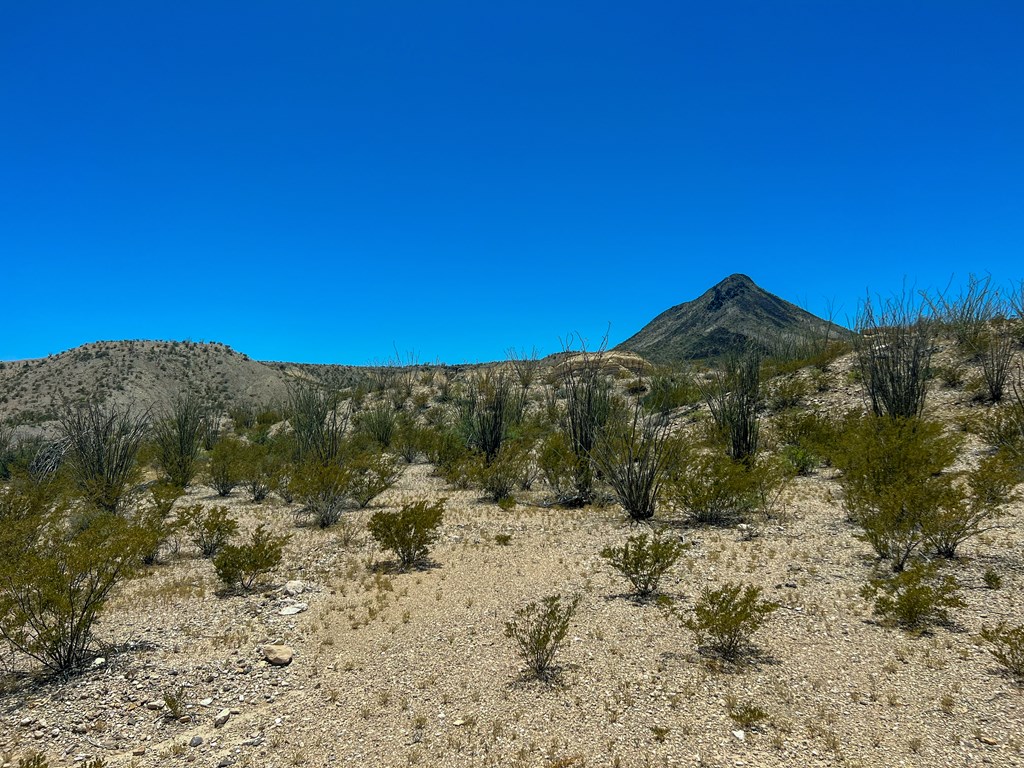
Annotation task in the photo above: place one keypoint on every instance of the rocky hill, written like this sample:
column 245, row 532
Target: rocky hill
column 146, row 373
column 727, row 317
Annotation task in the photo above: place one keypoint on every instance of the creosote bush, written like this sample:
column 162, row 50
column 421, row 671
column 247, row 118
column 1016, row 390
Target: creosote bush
column 210, row 529
column 1006, row 644
column 644, row 560
column 914, row 598
column 408, row 532
column 895, row 484
column 538, row 630
column 725, row 619
column 55, row 579
column 227, row 466
column 241, row 565
column 710, row 487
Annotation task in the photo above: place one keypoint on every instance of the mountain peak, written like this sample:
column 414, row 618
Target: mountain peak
column 728, row 316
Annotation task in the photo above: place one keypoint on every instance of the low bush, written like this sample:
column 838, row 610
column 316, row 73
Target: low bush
column 1006, row 644
column 227, row 466
column 243, row 564
column 725, row 619
column 505, row 473
column 633, row 454
column 369, row 474
column 895, row 482
column 55, row 579
column 380, row 423
column 322, row 488
column 711, row 488
column 210, row 529
column 408, row 532
column 538, row 630
column 644, row 560
column 914, row 598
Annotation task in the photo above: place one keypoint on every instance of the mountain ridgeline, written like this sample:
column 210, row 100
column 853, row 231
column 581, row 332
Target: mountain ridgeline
column 728, row 317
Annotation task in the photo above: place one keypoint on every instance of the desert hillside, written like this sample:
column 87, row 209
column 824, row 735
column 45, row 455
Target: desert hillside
column 340, row 657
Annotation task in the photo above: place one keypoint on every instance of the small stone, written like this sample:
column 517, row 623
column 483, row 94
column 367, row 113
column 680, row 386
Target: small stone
column 206, row 702
column 99, row 661
column 294, row 587
column 155, row 705
column 278, row 655
column 226, row 761
column 988, row 740
column 740, row 735
column 139, row 752
column 27, row 721
column 221, row 718
column 292, row 610
column 195, row 741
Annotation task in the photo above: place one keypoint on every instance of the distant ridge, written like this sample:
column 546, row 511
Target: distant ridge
column 727, row 317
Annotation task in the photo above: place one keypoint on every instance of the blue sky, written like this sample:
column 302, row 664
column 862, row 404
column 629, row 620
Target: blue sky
column 335, row 181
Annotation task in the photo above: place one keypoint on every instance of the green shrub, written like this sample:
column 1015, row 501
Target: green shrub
column 800, row 459
column 725, row 619
column 733, row 396
column 644, row 560
column 409, row 532
column 538, row 630
column 55, row 579
column 633, row 455
column 972, row 510
column 669, row 389
column 915, row 597
column 786, row 392
column 712, row 488
column 323, row 489
column 260, row 470
column 102, row 446
column 178, row 436
column 1006, row 644
column 380, row 423
column 505, row 473
column 369, row 474
column 241, row 565
column 210, row 529
column 813, row 434
column 409, row 440
column 992, row 579
column 227, row 467
column 894, row 352
column 154, row 518
column 894, row 482
column 746, row 715
column 492, row 407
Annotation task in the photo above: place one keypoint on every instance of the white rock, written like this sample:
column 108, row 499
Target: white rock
column 294, row 587
column 221, row 718
column 740, row 735
column 292, row 610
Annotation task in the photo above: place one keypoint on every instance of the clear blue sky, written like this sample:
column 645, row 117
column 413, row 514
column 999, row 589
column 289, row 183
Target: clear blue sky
column 330, row 181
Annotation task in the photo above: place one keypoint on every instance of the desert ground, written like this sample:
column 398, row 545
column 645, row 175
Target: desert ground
column 407, row 669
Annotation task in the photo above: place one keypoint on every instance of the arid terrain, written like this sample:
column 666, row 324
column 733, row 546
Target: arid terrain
column 400, row 669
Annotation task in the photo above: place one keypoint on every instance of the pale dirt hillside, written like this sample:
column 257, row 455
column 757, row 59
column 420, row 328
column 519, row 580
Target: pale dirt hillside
column 413, row 669
column 151, row 373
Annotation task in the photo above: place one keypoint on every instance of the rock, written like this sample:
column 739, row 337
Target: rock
column 740, row 735
column 206, row 702
column 294, row 587
column 278, row 655
column 195, row 741
column 221, row 718
column 155, row 705
column 139, row 752
column 226, row 761
column 291, row 610
column 27, row 721
column 988, row 740
column 99, row 661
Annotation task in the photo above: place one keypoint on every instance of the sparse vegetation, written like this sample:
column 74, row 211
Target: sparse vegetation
column 178, row 435
column 1006, row 644
column 915, row 598
column 644, row 560
column 408, row 532
column 725, row 619
column 538, row 630
column 241, row 565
